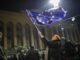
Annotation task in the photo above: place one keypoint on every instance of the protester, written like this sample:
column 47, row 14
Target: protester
column 54, row 45
column 33, row 54
column 70, row 50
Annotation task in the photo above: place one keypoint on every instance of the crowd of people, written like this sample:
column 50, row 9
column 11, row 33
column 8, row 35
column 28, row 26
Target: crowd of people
column 57, row 50
column 68, row 51
column 23, row 54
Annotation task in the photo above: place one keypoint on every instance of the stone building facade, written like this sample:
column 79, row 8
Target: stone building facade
column 18, row 30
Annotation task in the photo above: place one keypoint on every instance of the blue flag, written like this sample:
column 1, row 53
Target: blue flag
column 48, row 17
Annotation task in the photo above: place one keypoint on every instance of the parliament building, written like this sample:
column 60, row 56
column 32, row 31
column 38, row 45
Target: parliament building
column 18, row 30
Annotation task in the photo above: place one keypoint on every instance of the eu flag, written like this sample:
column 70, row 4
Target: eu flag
column 48, row 17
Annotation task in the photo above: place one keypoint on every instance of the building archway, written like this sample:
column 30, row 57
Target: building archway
column 28, row 35
column 19, row 34
column 10, row 36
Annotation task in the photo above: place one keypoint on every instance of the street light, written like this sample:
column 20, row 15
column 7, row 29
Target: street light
column 62, row 29
column 73, row 18
column 55, row 3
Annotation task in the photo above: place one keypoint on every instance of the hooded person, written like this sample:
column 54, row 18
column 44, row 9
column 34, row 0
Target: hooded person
column 54, row 45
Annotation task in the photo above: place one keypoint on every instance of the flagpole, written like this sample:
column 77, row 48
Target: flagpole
column 34, row 23
column 28, row 12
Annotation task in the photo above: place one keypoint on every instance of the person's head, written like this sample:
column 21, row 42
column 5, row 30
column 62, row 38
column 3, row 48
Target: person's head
column 56, row 37
column 32, row 47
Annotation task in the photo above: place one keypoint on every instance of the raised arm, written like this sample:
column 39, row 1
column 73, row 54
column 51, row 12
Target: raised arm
column 44, row 40
column 41, row 35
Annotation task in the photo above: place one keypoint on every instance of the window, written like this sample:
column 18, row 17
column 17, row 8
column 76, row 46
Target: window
column 10, row 40
column 19, row 34
column 28, row 35
column 36, row 38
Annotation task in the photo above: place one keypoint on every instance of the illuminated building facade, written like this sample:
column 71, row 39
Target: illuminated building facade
column 18, row 30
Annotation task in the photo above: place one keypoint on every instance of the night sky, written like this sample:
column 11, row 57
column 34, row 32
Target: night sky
column 72, row 6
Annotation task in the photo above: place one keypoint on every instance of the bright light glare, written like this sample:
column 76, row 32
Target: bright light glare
column 38, row 19
column 62, row 28
column 43, row 22
column 73, row 18
column 55, row 3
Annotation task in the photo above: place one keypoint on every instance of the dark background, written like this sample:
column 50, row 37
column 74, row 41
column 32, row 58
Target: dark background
column 72, row 6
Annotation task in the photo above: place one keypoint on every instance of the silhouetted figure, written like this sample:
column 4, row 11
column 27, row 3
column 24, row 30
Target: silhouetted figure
column 33, row 54
column 70, row 51
column 14, row 57
column 1, row 54
column 43, row 56
column 21, row 56
column 1, row 50
column 54, row 46
column 78, row 46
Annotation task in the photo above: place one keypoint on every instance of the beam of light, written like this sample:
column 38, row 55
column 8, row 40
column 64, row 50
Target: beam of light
column 55, row 3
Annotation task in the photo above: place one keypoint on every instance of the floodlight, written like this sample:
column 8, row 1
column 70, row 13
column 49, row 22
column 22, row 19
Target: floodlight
column 55, row 3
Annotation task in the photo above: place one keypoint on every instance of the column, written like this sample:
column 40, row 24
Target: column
column 15, row 36
column 5, row 37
